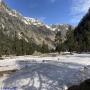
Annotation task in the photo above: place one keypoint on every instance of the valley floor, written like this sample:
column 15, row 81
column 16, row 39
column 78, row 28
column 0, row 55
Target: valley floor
column 43, row 73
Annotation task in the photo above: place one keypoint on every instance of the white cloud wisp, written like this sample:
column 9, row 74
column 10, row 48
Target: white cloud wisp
column 78, row 9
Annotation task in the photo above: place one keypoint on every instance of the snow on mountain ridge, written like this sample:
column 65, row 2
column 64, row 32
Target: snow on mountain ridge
column 29, row 20
column 33, row 21
column 38, row 23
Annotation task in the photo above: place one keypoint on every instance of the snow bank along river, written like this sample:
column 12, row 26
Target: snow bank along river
column 44, row 73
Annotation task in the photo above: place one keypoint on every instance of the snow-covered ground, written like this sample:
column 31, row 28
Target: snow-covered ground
column 44, row 73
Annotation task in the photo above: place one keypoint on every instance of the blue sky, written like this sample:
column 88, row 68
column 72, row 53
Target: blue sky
column 52, row 11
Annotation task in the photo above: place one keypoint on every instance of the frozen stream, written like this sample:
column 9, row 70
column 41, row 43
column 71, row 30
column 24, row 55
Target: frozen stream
column 45, row 73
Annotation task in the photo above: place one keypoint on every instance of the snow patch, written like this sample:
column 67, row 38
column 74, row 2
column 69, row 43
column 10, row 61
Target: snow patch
column 46, row 73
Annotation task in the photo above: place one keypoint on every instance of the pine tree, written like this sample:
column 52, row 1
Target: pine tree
column 58, row 42
column 82, row 33
column 70, row 41
column 44, row 48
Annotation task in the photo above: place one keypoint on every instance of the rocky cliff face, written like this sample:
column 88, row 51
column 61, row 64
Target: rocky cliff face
column 63, row 28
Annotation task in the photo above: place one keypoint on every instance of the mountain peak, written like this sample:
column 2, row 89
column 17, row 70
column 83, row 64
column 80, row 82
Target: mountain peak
column 3, row 6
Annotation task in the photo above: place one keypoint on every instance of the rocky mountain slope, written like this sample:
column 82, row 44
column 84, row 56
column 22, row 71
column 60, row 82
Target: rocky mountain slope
column 14, row 25
column 63, row 28
column 14, row 22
